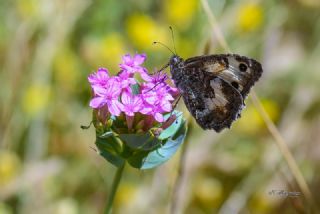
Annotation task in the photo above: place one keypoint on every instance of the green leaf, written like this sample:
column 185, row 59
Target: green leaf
column 148, row 160
column 109, row 148
column 173, row 128
column 106, row 134
column 115, row 160
column 144, row 141
column 109, row 142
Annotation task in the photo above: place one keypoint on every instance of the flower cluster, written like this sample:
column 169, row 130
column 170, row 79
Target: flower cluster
column 133, row 115
column 125, row 94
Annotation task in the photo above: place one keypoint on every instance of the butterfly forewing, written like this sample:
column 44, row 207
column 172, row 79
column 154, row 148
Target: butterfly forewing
column 239, row 71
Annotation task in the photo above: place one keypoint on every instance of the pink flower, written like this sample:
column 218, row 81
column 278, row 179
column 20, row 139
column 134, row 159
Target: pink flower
column 153, row 97
column 126, row 79
column 99, row 79
column 131, row 103
column 133, row 65
column 153, row 110
column 158, row 95
column 157, row 78
column 108, row 95
column 157, row 100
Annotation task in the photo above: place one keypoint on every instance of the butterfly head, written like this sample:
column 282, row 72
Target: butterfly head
column 176, row 62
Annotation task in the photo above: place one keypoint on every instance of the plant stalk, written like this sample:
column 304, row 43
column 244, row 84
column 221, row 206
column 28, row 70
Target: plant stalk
column 115, row 184
column 282, row 145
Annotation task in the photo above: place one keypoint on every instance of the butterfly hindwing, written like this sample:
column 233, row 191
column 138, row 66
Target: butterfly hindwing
column 215, row 109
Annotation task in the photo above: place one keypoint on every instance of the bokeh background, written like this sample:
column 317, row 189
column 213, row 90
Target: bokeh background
column 47, row 50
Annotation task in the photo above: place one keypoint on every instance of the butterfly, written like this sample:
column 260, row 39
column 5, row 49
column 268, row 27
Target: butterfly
column 214, row 87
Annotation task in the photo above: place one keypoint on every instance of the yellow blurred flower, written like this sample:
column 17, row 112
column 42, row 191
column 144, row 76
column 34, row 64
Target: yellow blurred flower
column 66, row 69
column 250, row 17
column 209, row 191
column 180, row 12
column 262, row 202
column 112, row 48
column 36, row 99
column 106, row 51
column 9, row 166
column 251, row 121
column 28, row 8
column 125, row 194
column 186, row 47
column 143, row 31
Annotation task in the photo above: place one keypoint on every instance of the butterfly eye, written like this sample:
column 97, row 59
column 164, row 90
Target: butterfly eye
column 235, row 84
column 243, row 67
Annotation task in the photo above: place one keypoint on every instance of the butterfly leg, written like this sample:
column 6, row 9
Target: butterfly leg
column 161, row 69
column 158, row 83
column 164, row 67
column 172, row 118
column 175, row 105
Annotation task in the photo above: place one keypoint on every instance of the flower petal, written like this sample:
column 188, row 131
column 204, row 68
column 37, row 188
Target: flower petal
column 166, row 106
column 152, row 99
column 129, row 112
column 138, row 59
column 158, row 117
column 103, row 72
column 137, row 104
column 146, row 110
column 126, row 98
column 99, row 78
column 97, row 102
column 168, row 96
column 115, row 107
column 128, row 68
column 99, row 90
column 126, row 59
column 145, row 76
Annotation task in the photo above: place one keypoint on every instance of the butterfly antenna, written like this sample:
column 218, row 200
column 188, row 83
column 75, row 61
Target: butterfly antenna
column 160, row 43
column 172, row 35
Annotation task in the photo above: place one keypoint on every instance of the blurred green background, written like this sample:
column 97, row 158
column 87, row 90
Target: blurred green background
column 47, row 50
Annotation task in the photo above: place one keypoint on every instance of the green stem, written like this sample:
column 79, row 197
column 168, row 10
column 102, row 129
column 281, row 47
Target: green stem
column 115, row 184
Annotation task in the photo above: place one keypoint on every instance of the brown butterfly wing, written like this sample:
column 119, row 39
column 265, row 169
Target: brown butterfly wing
column 215, row 87
column 215, row 109
column 239, row 71
column 213, row 102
